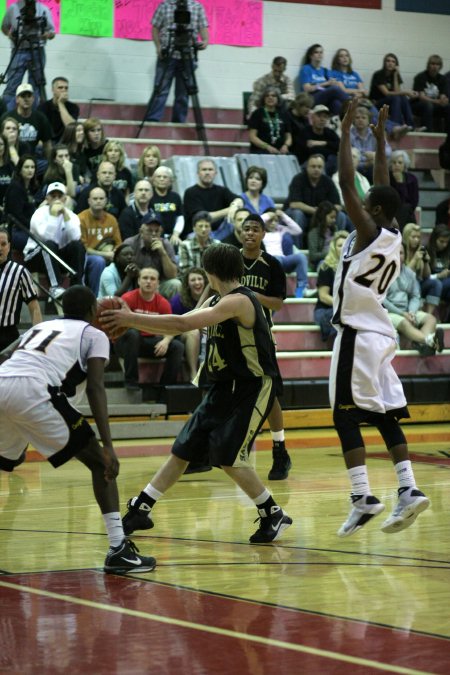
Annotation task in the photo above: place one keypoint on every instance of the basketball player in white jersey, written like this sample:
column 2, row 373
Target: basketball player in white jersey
column 51, row 359
column 364, row 387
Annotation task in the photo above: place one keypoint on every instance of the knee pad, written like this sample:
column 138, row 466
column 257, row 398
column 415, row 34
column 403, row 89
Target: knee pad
column 391, row 432
column 348, row 430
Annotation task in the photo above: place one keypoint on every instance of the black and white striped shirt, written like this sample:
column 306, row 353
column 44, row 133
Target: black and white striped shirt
column 16, row 286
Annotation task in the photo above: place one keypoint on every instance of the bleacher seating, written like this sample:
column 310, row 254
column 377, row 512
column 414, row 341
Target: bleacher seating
column 280, row 171
column 304, row 359
column 231, row 171
column 185, row 172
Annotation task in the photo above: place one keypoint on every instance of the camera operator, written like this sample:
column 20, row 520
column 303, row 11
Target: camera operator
column 176, row 25
column 29, row 25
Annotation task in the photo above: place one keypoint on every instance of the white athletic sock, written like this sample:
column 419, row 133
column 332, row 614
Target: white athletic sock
column 113, row 524
column 359, row 480
column 263, row 497
column 405, row 474
column 152, row 492
column 277, row 436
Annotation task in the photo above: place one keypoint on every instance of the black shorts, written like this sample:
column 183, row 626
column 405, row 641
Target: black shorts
column 226, row 422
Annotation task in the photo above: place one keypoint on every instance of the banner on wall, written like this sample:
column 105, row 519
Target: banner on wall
column 360, row 4
column 426, row 6
column 231, row 22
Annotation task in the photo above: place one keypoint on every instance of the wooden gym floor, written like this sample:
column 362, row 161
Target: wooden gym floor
column 312, row 603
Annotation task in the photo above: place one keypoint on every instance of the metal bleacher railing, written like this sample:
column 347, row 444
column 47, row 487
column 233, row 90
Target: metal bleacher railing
column 231, row 171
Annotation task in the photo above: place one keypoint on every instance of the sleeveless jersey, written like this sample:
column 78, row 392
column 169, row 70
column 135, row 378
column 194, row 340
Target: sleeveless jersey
column 362, row 281
column 234, row 352
column 266, row 276
column 57, row 352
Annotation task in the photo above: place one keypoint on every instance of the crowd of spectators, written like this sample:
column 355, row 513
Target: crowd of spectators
column 124, row 229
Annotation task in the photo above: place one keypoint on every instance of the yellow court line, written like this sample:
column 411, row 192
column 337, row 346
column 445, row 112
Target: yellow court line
column 217, row 631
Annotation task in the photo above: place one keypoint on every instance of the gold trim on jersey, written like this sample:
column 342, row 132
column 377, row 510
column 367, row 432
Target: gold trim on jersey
column 249, row 351
column 262, row 402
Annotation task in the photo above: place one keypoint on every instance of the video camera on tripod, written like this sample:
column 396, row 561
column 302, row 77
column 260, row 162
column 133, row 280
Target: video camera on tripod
column 30, row 27
column 182, row 36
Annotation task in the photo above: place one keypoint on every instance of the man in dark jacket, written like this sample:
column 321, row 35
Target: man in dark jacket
column 310, row 187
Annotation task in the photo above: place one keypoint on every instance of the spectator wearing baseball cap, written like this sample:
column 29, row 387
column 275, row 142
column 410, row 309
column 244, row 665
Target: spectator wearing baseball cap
column 34, row 127
column 316, row 138
column 56, row 187
column 59, row 228
column 152, row 250
column 23, row 88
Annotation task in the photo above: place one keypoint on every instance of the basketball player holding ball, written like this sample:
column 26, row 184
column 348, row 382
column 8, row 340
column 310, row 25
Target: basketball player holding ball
column 39, row 384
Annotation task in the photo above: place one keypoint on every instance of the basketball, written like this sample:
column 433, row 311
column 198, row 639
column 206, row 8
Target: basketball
column 110, row 302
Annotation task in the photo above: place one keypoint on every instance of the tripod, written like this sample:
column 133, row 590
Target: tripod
column 33, row 46
column 190, row 83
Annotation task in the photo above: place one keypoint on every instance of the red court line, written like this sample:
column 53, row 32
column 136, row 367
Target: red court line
column 418, row 458
column 302, row 441
column 93, row 639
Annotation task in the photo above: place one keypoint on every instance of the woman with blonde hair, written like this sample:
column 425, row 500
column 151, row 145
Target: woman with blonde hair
column 342, row 71
column 148, row 162
column 114, row 152
column 323, row 310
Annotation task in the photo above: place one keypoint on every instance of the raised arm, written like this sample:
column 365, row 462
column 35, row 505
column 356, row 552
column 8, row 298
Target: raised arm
column 230, row 307
column 381, row 169
column 365, row 227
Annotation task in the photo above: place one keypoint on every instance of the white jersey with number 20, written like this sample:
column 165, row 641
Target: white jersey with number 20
column 362, row 281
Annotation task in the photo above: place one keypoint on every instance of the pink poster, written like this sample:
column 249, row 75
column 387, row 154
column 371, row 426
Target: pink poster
column 235, row 22
column 231, row 22
column 54, row 7
column 132, row 18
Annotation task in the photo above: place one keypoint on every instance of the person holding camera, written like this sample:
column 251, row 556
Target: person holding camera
column 29, row 25
column 418, row 259
column 403, row 304
column 175, row 27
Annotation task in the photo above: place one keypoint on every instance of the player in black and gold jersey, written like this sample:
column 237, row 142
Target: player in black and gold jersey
column 264, row 275
column 241, row 367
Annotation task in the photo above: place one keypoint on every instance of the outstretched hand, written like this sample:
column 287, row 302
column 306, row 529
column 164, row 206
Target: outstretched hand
column 113, row 319
column 349, row 115
column 378, row 128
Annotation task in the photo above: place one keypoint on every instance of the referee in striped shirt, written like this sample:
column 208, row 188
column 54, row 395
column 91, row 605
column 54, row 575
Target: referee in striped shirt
column 16, row 286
